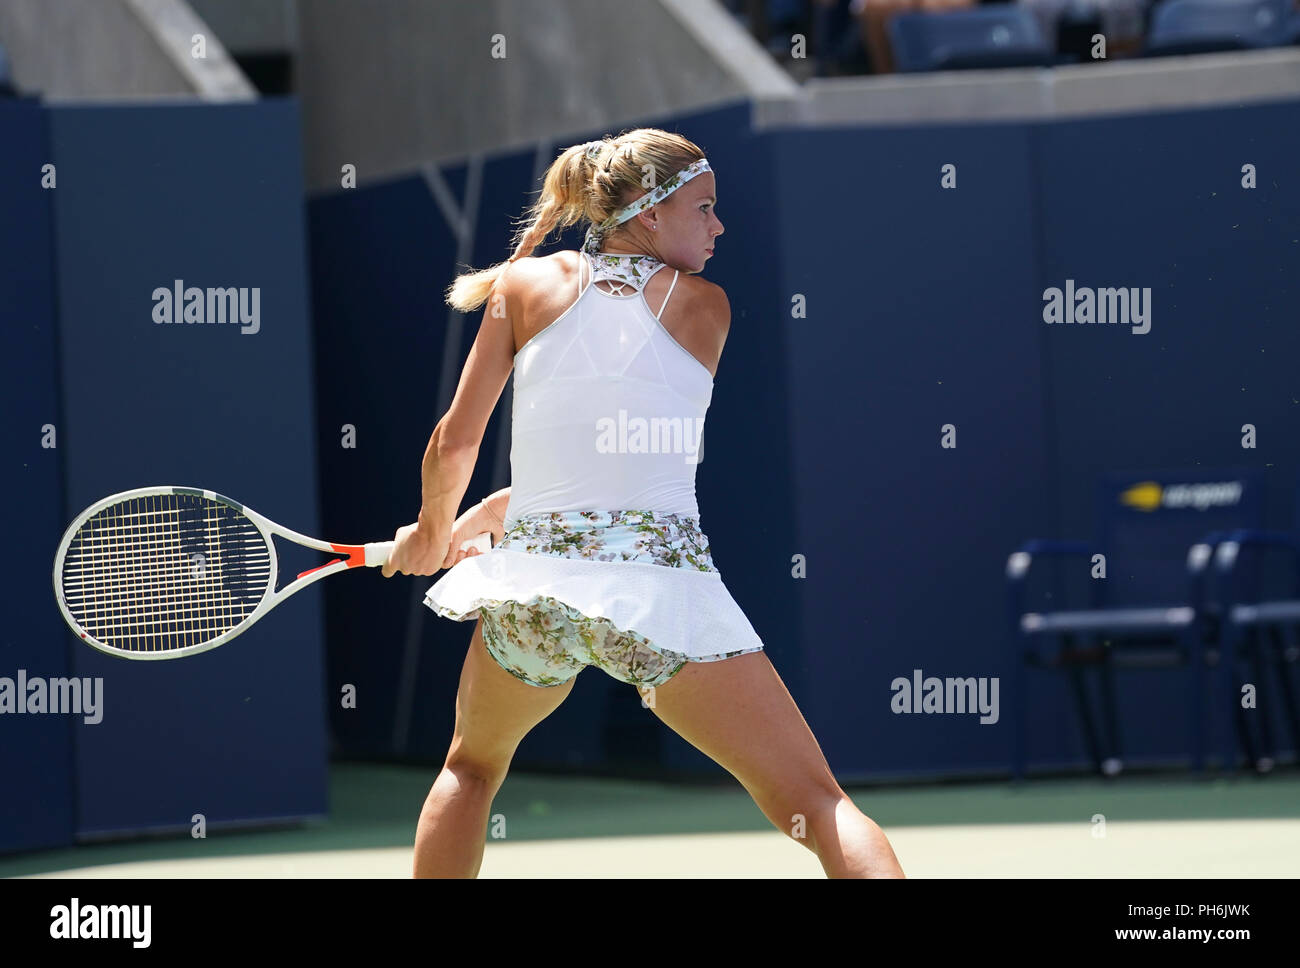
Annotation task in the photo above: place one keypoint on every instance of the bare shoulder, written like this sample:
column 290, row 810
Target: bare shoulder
column 539, row 277
column 708, row 301
column 562, row 260
column 538, row 289
column 697, row 314
column 565, row 260
column 533, row 269
column 542, row 274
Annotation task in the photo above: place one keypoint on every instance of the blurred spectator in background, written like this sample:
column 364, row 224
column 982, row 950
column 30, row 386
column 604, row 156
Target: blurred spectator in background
column 786, row 17
column 837, row 40
column 874, row 16
column 1070, row 25
column 832, row 45
column 852, row 36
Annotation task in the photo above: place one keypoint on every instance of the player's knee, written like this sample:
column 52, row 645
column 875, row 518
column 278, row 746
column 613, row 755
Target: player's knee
column 800, row 812
column 475, row 771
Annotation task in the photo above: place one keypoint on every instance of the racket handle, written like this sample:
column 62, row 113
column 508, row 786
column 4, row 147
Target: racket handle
column 481, row 541
column 377, row 553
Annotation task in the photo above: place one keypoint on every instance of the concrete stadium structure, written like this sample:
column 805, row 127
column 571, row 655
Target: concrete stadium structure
column 393, row 85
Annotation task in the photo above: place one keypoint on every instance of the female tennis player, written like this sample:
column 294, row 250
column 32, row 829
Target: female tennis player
column 599, row 557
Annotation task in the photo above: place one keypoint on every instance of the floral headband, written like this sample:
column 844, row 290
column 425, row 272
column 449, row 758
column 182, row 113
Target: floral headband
column 596, row 233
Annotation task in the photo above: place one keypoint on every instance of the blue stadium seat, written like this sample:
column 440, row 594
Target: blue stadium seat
column 1159, row 533
column 980, row 37
column 1203, row 26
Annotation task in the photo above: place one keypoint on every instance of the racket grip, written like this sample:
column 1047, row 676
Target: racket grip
column 481, row 541
column 377, row 553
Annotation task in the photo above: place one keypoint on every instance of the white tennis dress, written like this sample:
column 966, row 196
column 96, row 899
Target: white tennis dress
column 602, row 523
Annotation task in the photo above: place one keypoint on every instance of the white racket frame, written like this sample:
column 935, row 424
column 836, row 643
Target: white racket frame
column 372, row 555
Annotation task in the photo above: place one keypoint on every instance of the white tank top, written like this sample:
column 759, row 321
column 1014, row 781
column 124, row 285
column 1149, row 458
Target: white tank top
column 608, row 408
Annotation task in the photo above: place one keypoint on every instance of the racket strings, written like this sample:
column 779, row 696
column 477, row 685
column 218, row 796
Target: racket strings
column 165, row 572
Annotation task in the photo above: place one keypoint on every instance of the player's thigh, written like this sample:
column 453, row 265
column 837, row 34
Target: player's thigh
column 495, row 710
column 739, row 713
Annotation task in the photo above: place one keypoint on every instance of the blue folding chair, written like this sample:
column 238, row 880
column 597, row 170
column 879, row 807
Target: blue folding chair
column 1204, row 26
column 1256, row 630
column 980, row 37
column 1158, row 533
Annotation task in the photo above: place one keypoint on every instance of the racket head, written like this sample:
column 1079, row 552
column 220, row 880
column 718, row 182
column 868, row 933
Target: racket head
column 163, row 572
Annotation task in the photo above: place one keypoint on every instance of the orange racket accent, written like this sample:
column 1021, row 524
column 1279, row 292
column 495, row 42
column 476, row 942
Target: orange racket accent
column 356, row 558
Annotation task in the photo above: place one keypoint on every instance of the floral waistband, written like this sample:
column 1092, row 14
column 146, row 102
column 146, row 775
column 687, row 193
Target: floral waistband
column 650, row 537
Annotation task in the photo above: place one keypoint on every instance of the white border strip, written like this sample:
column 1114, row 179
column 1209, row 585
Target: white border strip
column 173, row 23
column 1129, row 86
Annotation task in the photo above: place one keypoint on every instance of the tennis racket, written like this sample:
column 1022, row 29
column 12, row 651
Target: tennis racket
column 164, row 572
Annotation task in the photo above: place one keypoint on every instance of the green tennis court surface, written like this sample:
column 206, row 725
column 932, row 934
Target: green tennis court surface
column 577, row 827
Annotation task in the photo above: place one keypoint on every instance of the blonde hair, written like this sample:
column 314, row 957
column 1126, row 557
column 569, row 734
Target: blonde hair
column 580, row 187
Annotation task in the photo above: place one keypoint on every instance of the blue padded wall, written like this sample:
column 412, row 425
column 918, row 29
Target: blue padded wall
column 35, row 750
column 148, row 195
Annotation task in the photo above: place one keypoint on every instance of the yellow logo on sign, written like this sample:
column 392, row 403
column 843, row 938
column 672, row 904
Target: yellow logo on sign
column 1144, row 496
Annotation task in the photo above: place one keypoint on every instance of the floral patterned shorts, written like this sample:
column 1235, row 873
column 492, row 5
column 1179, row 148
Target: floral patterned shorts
column 546, row 642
